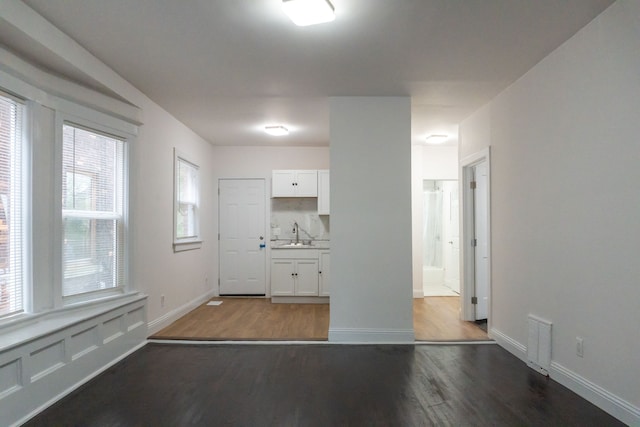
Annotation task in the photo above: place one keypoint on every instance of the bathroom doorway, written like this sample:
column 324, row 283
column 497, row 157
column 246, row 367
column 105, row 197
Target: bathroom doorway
column 441, row 238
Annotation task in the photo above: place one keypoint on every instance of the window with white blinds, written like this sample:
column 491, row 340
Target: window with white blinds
column 92, row 211
column 187, row 198
column 12, row 238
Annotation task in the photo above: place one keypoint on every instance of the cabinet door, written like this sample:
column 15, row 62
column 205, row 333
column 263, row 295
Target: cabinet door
column 324, row 274
column 282, row 183
column 282, row 277
column 307, row 277
column 306, row 183
column 323, row 192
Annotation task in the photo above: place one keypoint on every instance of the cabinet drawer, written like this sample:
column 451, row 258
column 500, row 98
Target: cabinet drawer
column 294, row 254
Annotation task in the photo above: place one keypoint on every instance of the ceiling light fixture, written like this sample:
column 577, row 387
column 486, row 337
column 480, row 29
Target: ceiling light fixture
column 309, row 12
column 437, row 139
column 276, row 130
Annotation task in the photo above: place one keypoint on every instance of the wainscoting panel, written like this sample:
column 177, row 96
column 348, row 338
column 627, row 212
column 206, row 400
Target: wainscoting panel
column 38, row 371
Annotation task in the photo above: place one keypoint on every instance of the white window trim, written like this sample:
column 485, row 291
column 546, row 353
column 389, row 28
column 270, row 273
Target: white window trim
column 43, row 272
column 188, row 243
column 87, row 297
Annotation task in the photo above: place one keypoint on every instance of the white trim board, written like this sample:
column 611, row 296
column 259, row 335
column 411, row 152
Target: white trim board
column 603, row 399
column 77, row 385
column 372, row 336
column 227, row 343
column 166, row 319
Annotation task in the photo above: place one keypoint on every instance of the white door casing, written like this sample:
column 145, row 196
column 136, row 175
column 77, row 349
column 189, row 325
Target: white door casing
column 467, row 249
column 481, row 241
column 242, row 238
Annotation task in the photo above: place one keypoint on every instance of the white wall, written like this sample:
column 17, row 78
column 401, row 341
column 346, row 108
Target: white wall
column 565, row 207
column 371, row 219
column 427, row 162
column 182, row 277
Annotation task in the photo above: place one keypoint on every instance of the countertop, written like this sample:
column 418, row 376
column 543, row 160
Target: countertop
column 315, row 244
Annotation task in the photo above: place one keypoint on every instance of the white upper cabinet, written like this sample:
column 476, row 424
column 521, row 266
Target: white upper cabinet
column 323, row 192
column 294, row 183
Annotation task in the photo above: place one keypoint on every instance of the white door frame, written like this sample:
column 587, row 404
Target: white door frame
column 467, row 262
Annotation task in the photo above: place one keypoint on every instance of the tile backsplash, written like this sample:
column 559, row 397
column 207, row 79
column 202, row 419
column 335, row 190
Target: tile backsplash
column 304, row 211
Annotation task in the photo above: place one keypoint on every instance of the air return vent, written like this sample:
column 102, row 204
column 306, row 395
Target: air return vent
column 539, row 345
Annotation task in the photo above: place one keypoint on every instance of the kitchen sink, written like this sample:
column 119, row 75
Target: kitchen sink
column 296, row 245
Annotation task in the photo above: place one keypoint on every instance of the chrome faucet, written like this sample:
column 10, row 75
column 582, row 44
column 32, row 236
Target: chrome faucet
column 296, row 229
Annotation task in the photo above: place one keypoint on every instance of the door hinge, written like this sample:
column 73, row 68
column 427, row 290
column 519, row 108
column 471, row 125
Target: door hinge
column 474, row 300
column 474, row 242
column 218, row 191
column 473, row 185
column 218, row 236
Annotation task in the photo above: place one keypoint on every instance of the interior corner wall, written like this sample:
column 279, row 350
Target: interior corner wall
column 565, row 206
column 371, row 276
column 183, row 278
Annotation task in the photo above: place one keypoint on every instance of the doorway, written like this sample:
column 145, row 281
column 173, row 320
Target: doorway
column 241, row 237
column 441, row 238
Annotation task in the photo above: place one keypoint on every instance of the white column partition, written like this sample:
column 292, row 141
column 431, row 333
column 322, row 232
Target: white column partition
column 371, row 291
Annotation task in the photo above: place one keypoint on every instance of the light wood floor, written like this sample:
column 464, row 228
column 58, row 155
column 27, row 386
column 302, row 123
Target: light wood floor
column 434, row 318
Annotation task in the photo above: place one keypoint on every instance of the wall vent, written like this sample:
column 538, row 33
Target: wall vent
column 539, row 345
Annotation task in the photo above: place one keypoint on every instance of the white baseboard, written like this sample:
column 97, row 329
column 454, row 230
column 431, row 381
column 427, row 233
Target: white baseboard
column 509, row 344
column 77, row 385
column 166, row 319
column 418, row 293
column 372, row 336
column 300, row 300
column 603, row 399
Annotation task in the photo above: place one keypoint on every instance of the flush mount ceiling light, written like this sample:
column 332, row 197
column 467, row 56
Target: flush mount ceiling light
column 309, row 12
column 436, row 139
column 276, row 130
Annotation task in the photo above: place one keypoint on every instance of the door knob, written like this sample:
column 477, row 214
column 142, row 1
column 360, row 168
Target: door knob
column 451, row 242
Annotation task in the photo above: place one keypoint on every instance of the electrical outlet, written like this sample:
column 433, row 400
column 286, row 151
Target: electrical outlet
column 579, row 347
column 161, row 301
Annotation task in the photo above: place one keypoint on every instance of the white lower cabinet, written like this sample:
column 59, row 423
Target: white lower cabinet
column 299, row 273
column 282, row 279
column 294, row 277
column 324, row 269
column 306, row 283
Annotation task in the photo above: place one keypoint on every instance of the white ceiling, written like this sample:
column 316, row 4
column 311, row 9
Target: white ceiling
column 227, row 68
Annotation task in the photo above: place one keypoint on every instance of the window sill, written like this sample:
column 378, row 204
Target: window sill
column 187, row 246
column 28, row 327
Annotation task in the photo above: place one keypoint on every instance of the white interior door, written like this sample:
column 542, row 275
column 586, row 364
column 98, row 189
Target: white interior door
column 242, row 237
column 481, row 235
column 452, row 258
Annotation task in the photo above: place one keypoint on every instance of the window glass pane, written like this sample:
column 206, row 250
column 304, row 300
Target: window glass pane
column 90, row 248
column 93, row 179
column 11, row 214
column 187, row 200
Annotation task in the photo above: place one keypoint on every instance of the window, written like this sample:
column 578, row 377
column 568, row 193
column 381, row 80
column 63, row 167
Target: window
column 186, row 204
column 12, row 239
column 93, row 190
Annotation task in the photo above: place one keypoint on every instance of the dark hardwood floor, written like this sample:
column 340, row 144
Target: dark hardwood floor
column 322, row 385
